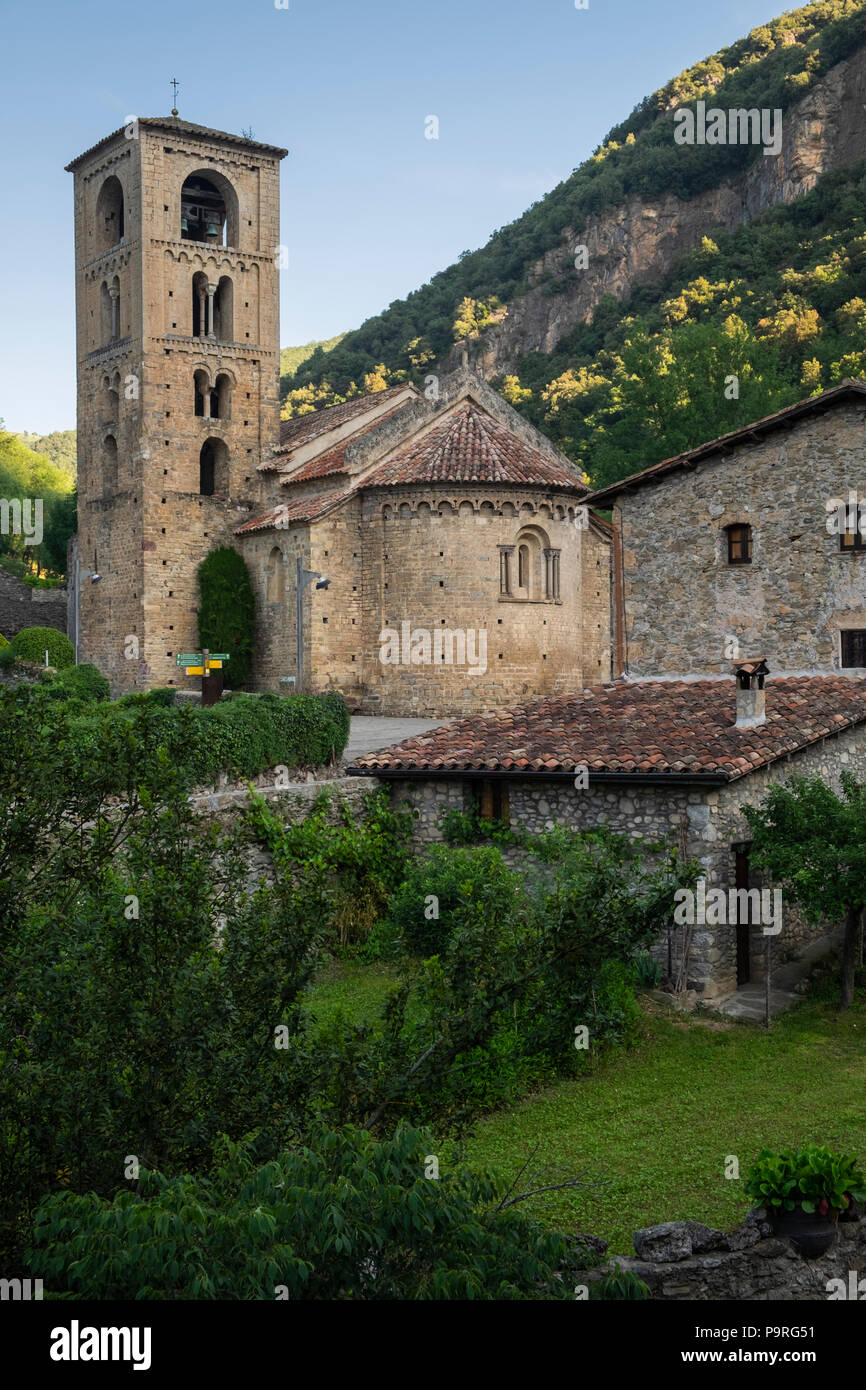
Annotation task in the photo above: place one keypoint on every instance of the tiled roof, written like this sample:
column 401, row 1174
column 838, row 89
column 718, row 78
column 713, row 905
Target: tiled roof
column 645, row 728
column 334, row 460
column 179, row 127
column 470, row 446
column 849, row 389
column 302, row 428
column 285, row 513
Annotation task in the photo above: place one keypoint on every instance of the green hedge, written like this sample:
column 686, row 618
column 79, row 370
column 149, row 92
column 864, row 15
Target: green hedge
column 31, row 644
column 83, row 682
column 242, row 737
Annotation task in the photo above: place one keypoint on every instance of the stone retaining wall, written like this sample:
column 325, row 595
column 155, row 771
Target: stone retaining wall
column 21, row 606
column 686, row 1260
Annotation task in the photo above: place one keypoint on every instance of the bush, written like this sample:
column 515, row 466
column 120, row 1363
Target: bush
column 82, row 682
column 346, row 867
column 448, row 888
column 345, row 1216
column 7, row 657
column 3, row 641
column 227, row 611
column 31, row 644
column 648, row 972
column 161, row 696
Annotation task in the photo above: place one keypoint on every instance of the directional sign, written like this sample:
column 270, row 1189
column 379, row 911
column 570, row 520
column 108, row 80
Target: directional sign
column 195, row 658
column 199, row 670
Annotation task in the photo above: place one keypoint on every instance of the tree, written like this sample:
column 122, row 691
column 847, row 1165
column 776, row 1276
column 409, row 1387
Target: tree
column 345, row 1216
column 227, row 612
column 813, row 843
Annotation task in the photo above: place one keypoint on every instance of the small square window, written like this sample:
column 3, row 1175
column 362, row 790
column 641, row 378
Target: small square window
column 739, row 545
column 854, row 647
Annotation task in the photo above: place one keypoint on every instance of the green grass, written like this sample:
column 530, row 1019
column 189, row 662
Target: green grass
column 658, row 1122
column 352, row 988
column 651, row 1127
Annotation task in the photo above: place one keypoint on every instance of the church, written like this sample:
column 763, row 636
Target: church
column 438, row 525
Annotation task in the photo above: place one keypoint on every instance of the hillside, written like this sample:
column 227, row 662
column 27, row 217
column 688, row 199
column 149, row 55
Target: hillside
column 702, row 262
column 60, row 446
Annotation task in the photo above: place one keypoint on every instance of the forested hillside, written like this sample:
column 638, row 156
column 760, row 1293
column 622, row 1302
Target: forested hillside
column 28, row 476
column 780, row 304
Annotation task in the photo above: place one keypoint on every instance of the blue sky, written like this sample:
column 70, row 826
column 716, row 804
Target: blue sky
column 524, row 90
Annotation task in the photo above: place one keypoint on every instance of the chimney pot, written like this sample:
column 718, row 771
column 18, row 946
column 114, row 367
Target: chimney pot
column 749, row 676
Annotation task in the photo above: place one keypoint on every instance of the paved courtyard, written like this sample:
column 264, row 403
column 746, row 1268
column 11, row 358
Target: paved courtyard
column 370, row 732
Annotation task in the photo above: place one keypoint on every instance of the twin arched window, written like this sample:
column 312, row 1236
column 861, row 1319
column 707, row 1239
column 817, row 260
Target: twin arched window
column 212, row 402
column 533, row 574
column 212, row 308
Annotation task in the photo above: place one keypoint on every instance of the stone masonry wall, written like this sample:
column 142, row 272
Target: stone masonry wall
column 21, row 606
column 684, row 602
column 704, row 822
column 686, row 1260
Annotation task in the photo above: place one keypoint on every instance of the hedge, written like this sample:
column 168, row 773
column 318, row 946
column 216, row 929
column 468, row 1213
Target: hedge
column 241, row 737
column 31, row 644
column 83, row 682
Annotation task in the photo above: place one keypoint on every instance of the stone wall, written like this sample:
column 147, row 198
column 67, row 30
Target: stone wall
column 21, row 606
column 705, row 823
column 686, row 1260
column 684, row 603
column 142, row 523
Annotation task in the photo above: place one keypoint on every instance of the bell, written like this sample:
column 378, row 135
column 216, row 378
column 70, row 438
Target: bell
column 184, row 225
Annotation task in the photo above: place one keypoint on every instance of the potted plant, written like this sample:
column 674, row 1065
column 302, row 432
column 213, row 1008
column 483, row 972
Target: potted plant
column 804, row 1191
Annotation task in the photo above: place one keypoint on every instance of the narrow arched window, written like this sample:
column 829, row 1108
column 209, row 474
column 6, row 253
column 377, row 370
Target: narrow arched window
column 739, row 544
column 202, row 392
column 199, row 305
column 223, row 310
column 223, row 393
column 109, row 463
column 276, row 576
column 213, row 468
column 109, row 214
column 523, row 567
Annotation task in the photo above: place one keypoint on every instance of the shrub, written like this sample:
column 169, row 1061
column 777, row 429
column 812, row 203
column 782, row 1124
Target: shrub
column 31, row 644
column 345, row 866
column 227, row 611
column 648, row 972
column 448, row 888
column 7, row 658
column 3, row 641
column 160, row 696
column 345, row 1216
column 82, row 682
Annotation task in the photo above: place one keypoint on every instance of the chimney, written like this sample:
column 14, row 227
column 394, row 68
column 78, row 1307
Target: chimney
column 749, row 676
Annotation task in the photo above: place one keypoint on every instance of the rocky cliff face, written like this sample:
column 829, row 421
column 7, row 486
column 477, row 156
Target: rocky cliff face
column 640, row 241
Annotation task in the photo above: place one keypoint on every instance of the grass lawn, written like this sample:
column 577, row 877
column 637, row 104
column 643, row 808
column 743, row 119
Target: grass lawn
column 352, row 988
column 659, row 1121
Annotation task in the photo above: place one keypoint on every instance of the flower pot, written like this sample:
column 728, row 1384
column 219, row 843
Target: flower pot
column 810, row 1232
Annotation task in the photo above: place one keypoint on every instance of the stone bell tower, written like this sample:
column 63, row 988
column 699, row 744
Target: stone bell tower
column 177, row 305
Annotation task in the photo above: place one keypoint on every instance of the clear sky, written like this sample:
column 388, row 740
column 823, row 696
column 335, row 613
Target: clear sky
column 524, row 91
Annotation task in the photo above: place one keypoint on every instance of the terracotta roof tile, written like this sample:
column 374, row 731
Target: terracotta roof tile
column 650, row 727
column 470, row 446
column 302, row 428
column 285, row 513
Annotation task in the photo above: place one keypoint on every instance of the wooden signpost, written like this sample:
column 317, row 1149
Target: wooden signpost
column 208, row 665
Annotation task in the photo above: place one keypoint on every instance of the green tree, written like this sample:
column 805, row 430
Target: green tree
column 813, row 843
column 227, row 612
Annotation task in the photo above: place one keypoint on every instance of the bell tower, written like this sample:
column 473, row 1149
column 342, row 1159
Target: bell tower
column 177, row 311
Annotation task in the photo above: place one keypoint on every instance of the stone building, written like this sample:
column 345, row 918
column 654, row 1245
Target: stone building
column 745, row 554
column 666, row 760
column 463, row 568
column 736, row 548
column 177, row 303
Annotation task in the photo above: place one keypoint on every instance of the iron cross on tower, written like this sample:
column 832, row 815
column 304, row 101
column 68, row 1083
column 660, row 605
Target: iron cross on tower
column 175, row 84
